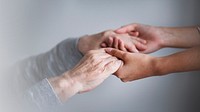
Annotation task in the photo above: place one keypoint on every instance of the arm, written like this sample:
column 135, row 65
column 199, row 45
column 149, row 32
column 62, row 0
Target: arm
column 28, row 77
column 137, row 66
column 29, row 73
column 188, row 60
column 180, row 37
column 160, row 37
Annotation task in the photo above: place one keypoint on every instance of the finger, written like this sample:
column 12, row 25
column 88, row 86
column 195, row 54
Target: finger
column 126, row 29
column 98, row 54
column 147, row 51
column 121, row 45
column 115, row 52
column 132, row 49
column 140, row 40
column 112, row 67
column 105, row 61
column 103, row 45
column 134, row 33
column 115, row 43
column 101, row 50
column 140, row 46
column 110, row 41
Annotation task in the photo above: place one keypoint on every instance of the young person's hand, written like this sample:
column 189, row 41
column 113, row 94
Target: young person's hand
column 152, row 35
column 135, row 65
column 109, row 38
column 160, row 37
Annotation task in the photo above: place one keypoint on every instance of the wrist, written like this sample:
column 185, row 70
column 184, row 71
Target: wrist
column 166, row 36
column 65, row 86
column 159, row 66
column 156, row 66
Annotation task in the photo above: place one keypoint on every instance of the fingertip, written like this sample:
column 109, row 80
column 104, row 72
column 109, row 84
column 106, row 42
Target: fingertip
column 103, row 45
column 108, row 50
column 137, row 34
column 141, row 46
column 135, row 50
column 121, row 45
column 144, row 42
column 132, row 49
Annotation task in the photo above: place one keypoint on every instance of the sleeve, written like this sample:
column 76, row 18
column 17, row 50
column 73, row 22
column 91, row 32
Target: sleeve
column 41, row 97
column 30, row 79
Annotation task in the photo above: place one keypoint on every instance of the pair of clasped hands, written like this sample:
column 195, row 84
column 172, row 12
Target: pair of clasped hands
column 118, row 52
column 123, row 52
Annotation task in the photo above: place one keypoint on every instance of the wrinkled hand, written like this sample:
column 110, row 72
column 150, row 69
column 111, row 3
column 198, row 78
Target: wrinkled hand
column 93, row 69
column 92, row 42
column 152, row 35
column 109, row 38
column 135, row 65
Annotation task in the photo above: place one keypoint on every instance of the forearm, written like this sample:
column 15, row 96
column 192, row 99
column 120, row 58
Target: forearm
column 180, row 37
column 52, row 63
column 26, row 77
column 64, row 86
column 188, row 60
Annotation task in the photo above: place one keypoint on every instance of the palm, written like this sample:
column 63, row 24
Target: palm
column 150, row 34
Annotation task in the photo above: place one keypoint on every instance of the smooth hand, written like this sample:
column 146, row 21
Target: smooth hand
column 135, row 65
column 152, row 35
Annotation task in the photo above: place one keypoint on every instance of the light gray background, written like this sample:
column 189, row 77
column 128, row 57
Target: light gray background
column 29, row 27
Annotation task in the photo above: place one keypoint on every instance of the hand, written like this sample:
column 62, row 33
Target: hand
column 91, row 71
column 152, row 35
column 135, row 65
column 92, row 42
column 125, row 42
column 109, row 38
column 94, row 68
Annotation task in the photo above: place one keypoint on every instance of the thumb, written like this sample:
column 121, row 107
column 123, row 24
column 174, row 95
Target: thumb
column 126, row 29
column 115, row 52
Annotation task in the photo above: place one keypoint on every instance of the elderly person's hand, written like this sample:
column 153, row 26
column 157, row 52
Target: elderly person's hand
column 125, row 42
column 91, row 71
column 109, row 38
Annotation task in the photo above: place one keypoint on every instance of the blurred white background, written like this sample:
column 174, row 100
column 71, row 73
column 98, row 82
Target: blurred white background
column 30, row 27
